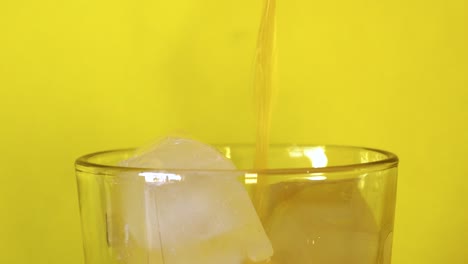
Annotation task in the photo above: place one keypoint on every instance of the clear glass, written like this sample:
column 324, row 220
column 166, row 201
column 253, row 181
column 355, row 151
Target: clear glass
column 317, row 204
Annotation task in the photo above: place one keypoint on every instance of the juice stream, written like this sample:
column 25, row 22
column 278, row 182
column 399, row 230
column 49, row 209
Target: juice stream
column 263, row 82
column 264, row 88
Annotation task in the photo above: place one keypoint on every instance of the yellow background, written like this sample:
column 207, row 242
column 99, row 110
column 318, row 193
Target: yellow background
column 82, row 76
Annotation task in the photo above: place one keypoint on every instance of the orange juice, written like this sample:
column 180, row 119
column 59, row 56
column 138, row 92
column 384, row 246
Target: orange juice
column 263, row 82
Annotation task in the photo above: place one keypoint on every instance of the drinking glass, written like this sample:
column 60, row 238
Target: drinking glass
column 316, row 204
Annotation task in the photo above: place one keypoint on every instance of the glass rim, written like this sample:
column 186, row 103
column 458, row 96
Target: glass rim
column 391, row 160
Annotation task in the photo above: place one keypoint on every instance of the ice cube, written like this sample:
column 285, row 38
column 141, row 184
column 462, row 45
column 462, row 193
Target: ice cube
column 322, row 223
column 179, row 153
column 189, row 216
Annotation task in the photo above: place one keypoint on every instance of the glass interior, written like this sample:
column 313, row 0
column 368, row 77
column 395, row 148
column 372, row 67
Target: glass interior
column 314, row 204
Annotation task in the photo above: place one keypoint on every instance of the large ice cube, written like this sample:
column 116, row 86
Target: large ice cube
column 191, row 216
column 326, row 222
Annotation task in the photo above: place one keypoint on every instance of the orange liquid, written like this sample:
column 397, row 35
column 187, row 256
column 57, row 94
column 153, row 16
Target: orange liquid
column 263, row 82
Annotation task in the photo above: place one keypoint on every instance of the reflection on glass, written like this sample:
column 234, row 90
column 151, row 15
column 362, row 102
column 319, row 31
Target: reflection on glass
column 160, row 177
column 250, row 178
column 317, row 157
column 227, row 152
column 317, row 178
